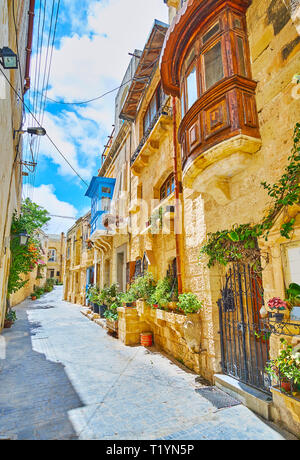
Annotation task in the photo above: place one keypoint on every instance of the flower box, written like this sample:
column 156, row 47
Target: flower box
column 292, row 403
column 112, row 326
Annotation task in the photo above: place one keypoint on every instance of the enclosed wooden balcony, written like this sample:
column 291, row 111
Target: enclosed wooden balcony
column 206, row 63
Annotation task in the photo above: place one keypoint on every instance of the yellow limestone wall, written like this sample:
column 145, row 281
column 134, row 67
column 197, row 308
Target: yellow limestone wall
column 145, row 188
column 176, row 334
column 10, row 113
column 275, row 57
column 75, row 266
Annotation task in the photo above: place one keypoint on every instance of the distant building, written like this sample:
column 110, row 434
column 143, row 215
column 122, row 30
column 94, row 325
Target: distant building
column 56, row 254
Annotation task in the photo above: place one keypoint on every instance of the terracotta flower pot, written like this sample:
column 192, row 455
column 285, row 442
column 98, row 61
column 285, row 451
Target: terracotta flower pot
column 33, row 298
column 8, row 324
column 286, row 386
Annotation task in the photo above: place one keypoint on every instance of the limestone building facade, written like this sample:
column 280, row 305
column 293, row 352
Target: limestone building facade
column 78, row 261
column 231, row 67
column 16, row 19
column 56, row 255
column 209, row 115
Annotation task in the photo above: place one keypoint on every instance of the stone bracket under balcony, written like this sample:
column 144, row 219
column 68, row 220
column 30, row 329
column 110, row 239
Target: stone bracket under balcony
column 212, row 171
column 151, row 142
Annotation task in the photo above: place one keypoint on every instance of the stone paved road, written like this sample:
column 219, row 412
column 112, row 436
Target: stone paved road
column 63, row 377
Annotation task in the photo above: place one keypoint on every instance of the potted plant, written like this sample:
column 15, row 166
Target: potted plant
column 143, row 287
column 189, row 303
column 33, row 296
column 10, row 318
column 278, row 308
column 128, row 299
column 162, row 294
column 285, row 368
column 92, row 295
column 111, row 315
column 293, row 293
column 107, row 297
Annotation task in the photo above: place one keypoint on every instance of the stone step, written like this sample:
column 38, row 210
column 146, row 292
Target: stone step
column 256, row 400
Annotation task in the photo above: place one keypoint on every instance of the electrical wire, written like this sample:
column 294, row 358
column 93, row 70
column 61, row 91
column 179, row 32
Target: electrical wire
column 142, row 79
column 47, row 135
column 47, row 71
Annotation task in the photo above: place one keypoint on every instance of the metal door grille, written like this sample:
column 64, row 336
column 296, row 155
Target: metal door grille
column 244, row 339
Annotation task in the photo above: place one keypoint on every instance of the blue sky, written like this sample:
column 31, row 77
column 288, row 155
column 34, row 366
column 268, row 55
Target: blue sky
column 90, row 57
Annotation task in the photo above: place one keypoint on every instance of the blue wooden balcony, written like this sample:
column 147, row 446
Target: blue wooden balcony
column 101, row 192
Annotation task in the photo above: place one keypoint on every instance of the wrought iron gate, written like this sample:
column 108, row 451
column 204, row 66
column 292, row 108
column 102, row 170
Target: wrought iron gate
column 244, row 338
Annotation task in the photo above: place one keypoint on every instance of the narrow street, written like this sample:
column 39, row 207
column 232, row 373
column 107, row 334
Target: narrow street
column 63, row 377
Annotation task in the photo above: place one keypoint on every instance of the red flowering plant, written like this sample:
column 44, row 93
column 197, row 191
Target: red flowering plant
column 25, row 258
column 276, row 304
column 278, row 308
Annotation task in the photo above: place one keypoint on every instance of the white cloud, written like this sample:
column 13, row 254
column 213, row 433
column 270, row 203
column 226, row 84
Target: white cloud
column 44, row 196
column 78, row 139
column 90, row 64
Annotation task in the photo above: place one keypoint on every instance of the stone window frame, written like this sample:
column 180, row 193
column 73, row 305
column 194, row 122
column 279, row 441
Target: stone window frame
column 52, row 255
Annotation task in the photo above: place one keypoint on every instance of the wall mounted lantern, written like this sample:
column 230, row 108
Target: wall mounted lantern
column 23, row 236
column 33, row 131
column 8, row 59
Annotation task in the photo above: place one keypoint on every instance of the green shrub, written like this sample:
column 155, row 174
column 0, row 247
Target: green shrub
column 128, row 297
column 143, row 287
column 11, row 316
column 162, row 294
column 189, row 303
column 108, row 295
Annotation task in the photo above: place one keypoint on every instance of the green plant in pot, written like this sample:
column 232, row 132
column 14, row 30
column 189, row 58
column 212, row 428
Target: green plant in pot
column 111, row 313
column 10, row 318
column 278, row 308
column 162, row 294
column 143, row 287
column 107, row 297
column 293, row 293
column 285, row 368
column 129, row 299
column 92, row 296
column 189, row 303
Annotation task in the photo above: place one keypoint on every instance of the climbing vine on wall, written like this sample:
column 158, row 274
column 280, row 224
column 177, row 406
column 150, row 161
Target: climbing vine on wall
column 24, row 259
column 240, row 242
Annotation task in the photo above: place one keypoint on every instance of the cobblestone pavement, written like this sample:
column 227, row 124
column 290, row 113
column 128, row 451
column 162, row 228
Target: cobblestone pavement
column 63, row 377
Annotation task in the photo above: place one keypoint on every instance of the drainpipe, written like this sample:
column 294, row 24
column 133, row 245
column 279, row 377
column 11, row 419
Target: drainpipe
column 177, row 227
column 29, row 45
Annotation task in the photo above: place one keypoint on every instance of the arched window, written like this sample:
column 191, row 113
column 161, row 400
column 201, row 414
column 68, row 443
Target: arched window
column 168, row 187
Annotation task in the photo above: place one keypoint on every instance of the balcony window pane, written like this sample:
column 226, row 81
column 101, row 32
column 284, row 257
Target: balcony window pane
column 191, row 84
column 182, row 104
column 241, row 57
column 106, row 204
column 215, row 29
column 213, row 65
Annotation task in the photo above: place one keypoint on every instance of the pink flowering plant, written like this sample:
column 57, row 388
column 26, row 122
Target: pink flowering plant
column 276, row 304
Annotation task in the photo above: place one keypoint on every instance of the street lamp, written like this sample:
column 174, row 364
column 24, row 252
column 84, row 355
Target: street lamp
column 39, row 131
column 24, row 237
column 9, row 58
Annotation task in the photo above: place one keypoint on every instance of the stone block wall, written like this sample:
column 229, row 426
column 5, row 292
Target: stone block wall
column 176, row 334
